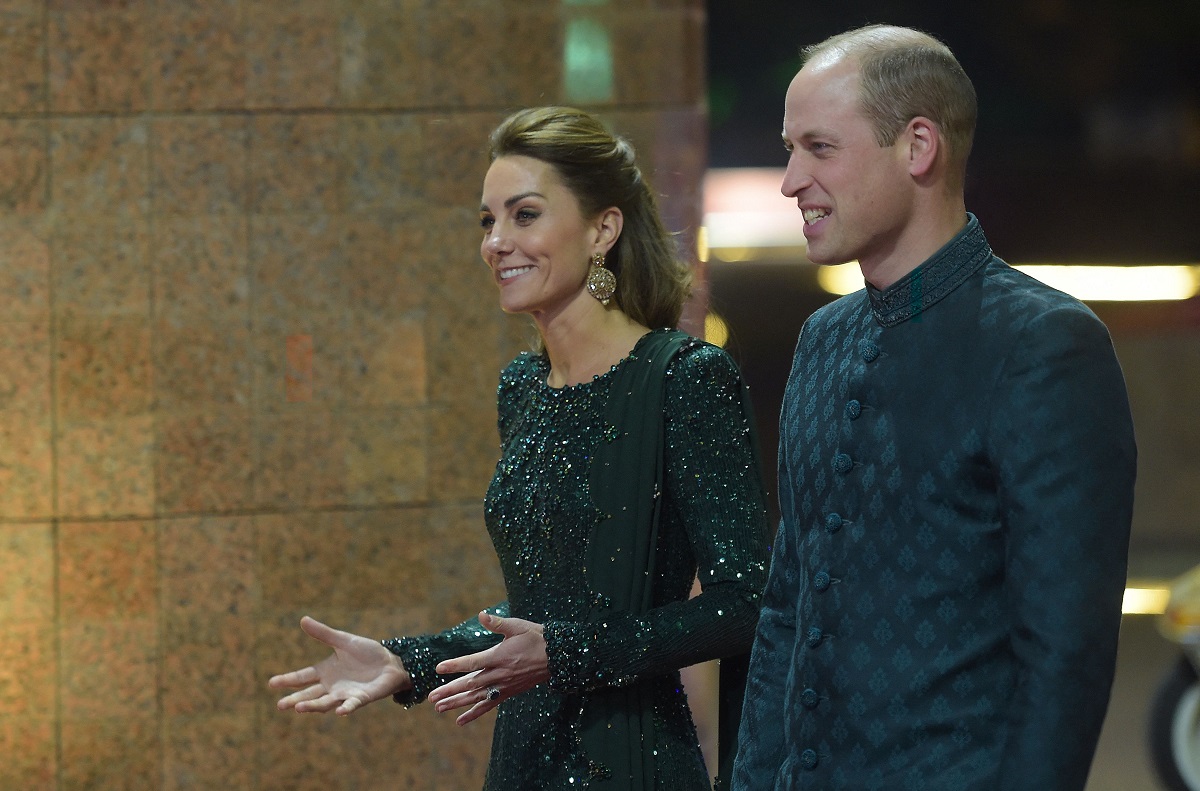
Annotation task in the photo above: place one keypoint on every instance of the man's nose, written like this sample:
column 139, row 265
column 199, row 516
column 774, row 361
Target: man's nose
column 795, row 178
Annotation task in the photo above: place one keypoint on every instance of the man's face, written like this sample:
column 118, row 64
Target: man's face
column 855, row 195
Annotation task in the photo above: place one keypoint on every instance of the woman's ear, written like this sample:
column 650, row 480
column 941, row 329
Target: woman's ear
column 608, row 225
column 924, row 146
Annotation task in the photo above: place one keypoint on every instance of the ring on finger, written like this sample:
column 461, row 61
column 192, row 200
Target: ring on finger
column 493, row 693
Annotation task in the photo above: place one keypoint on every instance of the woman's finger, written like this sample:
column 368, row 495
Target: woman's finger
column 476, row 711
column 296, row 678
column 455, row 687
column 302, row 696
column 323, row 704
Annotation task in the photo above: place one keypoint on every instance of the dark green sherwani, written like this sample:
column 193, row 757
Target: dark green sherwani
column 956, row 475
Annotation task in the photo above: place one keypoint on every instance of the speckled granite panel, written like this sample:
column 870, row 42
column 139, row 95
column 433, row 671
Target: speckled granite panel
column 208, row 565
column 100, row 266
column 25, row 460
column 658, row 57
column 23, row 164
column 197, row 56
column 292, row 49
column 103, row 367
column 25, row 464
column 110, row 753
column 27, row 656
column 386, row 457
column 380, row 360
column 123, row 652
column 387, row 556
column 106, row 467
column 381, row 64
column 300, row 559
column 22, row 52
column 453, row 428
column 99, row 166
column 471, row 61
column 26, row 573
column 204, row 461
column 97, row 55
column 201, row 268
column 24, row 270
column 456, row 156
column 294, row 163
column 384, row 265
column 463, row 312
column 24, row 367
column 202, row 362
column 200, row 164
column 382, row 162
column 301, row 457
column 28, row 744
column 107, row 570
column 211, row 751
column 208, row 663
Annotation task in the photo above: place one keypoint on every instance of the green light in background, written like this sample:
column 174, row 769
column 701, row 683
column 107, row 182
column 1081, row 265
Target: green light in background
column 587, row 62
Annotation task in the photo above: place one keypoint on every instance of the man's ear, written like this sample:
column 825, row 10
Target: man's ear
column 608, row 225
column 925, row 143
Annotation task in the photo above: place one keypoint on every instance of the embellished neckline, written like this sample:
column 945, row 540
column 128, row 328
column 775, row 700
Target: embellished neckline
column 932, row 281
column 543, row 368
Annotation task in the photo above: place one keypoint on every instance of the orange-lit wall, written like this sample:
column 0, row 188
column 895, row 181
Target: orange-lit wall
column 248, row 356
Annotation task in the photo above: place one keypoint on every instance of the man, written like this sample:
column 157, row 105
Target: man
column 956, row 468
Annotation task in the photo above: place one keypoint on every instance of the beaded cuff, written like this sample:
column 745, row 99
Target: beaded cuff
column 419, row 660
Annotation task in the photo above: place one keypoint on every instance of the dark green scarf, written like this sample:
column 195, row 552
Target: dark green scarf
column 626, row 480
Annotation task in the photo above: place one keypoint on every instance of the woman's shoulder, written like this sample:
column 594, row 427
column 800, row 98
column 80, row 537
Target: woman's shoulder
column 699, row 359
column 524, row 369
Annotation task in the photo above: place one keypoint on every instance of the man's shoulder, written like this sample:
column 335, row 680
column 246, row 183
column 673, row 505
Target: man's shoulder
column 1022, row 296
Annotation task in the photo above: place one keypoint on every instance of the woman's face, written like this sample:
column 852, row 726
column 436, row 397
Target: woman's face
column 535, row 238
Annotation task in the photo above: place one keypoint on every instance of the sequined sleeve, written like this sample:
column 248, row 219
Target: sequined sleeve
column 421, row 654
column 714, row 491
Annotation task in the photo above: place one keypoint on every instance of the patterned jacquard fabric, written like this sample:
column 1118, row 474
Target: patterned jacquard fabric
column 956, row 484
column 539, row 515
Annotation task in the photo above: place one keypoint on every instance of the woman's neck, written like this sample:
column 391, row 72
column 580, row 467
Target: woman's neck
column 588, row 345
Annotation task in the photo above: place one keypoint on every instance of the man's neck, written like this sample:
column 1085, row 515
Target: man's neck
column 916, row 245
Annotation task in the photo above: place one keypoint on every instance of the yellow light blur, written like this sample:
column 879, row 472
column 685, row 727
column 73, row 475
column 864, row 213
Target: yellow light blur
column 702, row 244
column 716, row 331
column 1151, row 600
column 1119, row 283
column 840, row 279
column 1151, row 283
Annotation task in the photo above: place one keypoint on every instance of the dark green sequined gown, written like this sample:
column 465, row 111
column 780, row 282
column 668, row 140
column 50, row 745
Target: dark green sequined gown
column 539, row 514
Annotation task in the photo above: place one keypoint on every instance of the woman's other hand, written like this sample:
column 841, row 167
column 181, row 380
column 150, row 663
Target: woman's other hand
column 506, row 670
column 359, row 671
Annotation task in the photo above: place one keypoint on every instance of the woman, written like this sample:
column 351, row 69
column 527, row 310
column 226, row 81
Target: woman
column 628, row 463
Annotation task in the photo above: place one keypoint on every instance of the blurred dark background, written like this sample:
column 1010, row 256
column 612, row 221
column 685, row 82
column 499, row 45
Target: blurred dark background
column 1088, row 145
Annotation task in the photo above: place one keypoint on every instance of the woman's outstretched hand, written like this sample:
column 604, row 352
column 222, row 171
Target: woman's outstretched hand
column 508, row 669
column 359, row 671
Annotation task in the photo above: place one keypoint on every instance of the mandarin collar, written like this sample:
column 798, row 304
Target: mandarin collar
column 944, row 271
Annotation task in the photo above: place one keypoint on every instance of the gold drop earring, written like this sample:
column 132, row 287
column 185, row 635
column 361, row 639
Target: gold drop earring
column 601, row 283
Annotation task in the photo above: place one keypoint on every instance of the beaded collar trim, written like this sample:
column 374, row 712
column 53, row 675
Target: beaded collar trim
column 946, row 270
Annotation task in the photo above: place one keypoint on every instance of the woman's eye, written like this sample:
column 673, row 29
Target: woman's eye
column 486, row 223
column 525, row 215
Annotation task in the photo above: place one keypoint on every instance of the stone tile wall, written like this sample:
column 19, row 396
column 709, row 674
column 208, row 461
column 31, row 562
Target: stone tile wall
column 248, row 356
